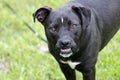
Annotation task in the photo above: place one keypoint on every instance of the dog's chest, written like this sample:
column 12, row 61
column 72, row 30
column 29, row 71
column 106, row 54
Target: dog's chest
column 70, row 63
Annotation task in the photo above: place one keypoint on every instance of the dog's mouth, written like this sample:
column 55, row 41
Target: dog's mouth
column 66, row 52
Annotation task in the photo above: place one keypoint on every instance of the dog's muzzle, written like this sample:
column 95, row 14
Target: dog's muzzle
column 65, row 47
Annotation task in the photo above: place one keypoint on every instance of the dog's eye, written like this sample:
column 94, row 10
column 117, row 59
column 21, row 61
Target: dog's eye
column 52, row 29
column 73, row 26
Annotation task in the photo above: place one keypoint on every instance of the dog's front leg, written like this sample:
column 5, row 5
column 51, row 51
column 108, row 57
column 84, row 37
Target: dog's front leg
column 68, row 72
column 89, row 74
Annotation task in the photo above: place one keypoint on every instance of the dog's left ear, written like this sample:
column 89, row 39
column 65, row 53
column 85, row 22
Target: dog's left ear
column 84, row 14
column 42, row 13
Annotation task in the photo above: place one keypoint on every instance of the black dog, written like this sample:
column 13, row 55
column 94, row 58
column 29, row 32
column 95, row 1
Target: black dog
column 77, row 31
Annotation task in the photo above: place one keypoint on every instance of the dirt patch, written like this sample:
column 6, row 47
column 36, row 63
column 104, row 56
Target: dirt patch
column 4, row 64
column 42, row 48
column 3, row 67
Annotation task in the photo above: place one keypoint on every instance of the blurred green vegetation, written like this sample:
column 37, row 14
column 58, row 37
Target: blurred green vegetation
column 21, row 55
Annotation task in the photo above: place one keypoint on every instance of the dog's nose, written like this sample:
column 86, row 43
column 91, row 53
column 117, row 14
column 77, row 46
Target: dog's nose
column 65, row 43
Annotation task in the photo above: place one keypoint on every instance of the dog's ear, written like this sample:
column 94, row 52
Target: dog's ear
column 42, row 13
column 84, row 14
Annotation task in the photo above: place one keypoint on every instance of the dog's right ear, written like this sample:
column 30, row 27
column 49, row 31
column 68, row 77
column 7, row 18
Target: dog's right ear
column 84, row 14
column 42, row 13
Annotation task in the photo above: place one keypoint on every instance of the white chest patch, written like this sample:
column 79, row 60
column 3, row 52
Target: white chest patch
column 70, row 63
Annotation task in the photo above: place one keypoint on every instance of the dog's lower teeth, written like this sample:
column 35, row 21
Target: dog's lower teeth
column 66, row 50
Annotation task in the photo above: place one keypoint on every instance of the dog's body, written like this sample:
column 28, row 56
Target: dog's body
column 77, row 31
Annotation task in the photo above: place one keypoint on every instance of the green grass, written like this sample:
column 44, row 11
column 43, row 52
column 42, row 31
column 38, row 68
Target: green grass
column 20, row 58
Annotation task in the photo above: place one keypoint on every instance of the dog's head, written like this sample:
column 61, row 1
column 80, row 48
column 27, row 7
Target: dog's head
column 64, row 27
